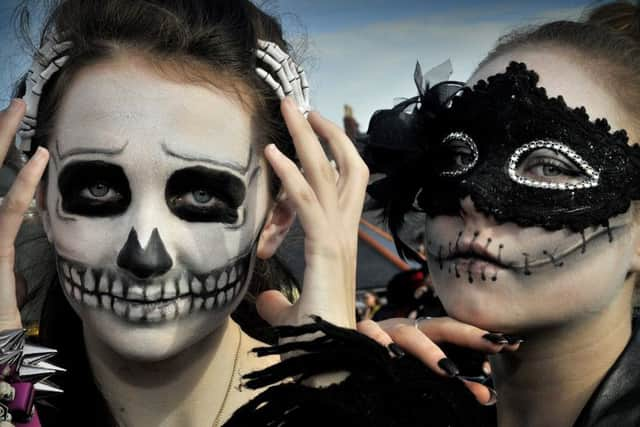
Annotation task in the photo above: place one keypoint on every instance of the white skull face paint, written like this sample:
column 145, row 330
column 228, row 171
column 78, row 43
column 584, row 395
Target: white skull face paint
column 155, row 200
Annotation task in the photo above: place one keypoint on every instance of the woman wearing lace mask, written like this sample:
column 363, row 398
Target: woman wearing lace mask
column 164, row 153
column 529, row 176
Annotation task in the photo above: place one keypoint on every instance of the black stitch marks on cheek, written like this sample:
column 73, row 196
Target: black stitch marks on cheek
column 609, row 233
column 455, row 267
column 475, row 236
column 483, row 276
column 527, row 272
column 553, row 260
column 500, row 248
column 584, row 242
column 458, row 241
column 489, row 240
column 440, row 262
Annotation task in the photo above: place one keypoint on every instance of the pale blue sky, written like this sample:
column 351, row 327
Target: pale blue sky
column 362, row 52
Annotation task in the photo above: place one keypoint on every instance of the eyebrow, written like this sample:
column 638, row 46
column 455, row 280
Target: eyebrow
column 226, row 164
column 78, row 151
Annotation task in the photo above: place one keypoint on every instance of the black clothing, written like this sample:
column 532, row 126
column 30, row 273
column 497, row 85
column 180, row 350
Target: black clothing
column 383, row 390
column 616, row 401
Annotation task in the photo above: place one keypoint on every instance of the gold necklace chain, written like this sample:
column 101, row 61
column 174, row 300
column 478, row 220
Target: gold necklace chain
column 217, row 421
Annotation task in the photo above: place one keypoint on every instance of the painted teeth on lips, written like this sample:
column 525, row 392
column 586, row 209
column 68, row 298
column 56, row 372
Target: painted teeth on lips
column 156, row 301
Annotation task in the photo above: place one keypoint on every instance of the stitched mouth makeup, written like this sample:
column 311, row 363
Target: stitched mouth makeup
column 172, row 296
column 472, row 259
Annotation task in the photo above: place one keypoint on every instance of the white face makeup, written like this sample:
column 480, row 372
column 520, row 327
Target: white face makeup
column 155, row 200
column 507, row 278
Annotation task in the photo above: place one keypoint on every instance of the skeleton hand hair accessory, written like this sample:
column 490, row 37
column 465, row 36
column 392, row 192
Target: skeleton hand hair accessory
column 290, row 78
column 46, row 62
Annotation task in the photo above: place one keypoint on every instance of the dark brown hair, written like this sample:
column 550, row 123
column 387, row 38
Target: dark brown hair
column 196, row 41
column 606, row 40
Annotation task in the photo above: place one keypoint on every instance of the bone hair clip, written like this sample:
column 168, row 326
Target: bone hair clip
column 48, row 60
column 290, row 78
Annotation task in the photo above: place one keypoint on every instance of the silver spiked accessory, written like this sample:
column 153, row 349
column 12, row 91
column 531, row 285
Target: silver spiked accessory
column 46, row 62
column 24, row 372
column 286, row 77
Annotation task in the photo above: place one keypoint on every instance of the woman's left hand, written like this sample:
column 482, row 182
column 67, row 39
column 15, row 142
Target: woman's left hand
column 422, row 339
column 329, row 205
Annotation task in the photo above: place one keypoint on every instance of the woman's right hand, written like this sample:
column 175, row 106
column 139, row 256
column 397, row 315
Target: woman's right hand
column 12, row 210
column 421, row 338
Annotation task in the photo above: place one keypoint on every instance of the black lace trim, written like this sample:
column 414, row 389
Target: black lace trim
column 500, row 115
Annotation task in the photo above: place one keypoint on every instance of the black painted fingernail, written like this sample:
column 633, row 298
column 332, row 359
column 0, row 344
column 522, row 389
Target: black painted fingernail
column 496, row 338
column 513, row 339
column 477, row 379
column 449, row 367
column 396, row 350
column 493, row 397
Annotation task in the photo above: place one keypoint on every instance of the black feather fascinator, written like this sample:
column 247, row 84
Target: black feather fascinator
column 393, row 148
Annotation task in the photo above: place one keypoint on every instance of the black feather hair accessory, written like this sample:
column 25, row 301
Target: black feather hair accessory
column 392, row 147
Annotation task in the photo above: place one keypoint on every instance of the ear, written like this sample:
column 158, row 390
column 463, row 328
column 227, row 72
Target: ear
column 41, row 203
column 279, row 221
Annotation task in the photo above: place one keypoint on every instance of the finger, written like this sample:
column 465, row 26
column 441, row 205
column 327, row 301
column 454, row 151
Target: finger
column 446, row 329
column 313, row 159
column 342, row 148
column 9, row 124
column 21, row 290
column 511, row 347
column 483, row 394
column 354, row 174
column 486, row 368
column 299, row 193
column 374, row 331
column 272, row 306
column 18, row 199
column 416, row 343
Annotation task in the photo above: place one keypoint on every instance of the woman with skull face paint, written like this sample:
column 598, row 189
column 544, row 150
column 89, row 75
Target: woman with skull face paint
column 158, row 202
column 530, row 177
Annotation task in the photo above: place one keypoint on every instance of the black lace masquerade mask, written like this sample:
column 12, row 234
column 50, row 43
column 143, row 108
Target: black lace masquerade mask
column 521, row 156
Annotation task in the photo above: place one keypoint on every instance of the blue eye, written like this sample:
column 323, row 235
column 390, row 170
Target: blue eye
column 99, row 189
column 201, row 196
column 548, row 167
column 551, row 165
column 100, row 192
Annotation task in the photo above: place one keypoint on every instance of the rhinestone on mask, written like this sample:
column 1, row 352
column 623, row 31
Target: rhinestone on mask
column 594, row 176
column 468, row 141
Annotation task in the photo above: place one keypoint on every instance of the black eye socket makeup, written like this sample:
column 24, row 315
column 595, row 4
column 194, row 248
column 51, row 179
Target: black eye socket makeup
column 200, row 194
column 94, row 188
